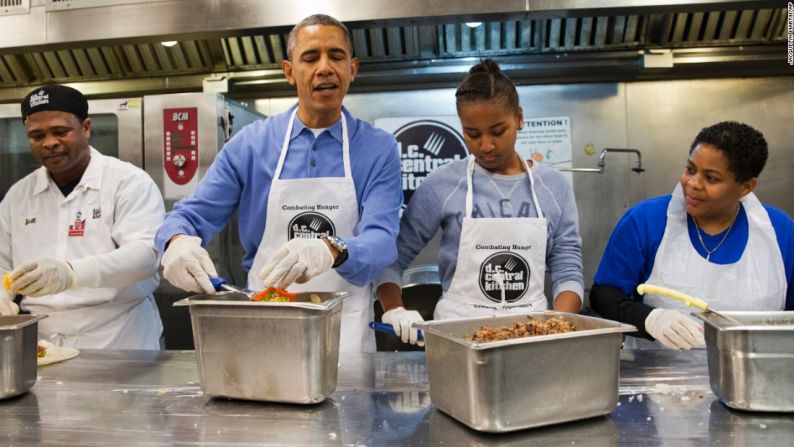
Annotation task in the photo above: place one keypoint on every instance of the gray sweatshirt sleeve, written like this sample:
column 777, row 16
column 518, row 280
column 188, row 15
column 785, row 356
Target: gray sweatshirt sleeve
column 418, row 225
column 564, row 253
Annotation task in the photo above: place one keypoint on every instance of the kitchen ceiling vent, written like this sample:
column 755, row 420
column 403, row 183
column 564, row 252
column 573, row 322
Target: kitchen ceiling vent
column 9, row 7
column 740, row 42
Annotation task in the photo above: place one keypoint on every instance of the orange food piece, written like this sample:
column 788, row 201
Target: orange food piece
column 41, row 351
column 7, row 281
column 274, row 294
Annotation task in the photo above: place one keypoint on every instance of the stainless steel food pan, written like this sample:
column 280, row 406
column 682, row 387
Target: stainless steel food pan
column 18, row 357
column 527, row 382
column 276, row 352
column 751, row 365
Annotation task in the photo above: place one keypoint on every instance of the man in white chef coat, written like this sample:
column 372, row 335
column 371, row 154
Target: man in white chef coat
column 77, row 234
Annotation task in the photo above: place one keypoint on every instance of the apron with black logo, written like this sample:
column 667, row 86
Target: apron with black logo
column 315, row 208
column 501, row 265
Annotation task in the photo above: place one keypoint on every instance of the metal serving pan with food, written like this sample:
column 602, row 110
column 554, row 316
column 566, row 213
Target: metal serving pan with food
column 18, row 356
column 751, row 365
column 514, row 384
column 267, row 351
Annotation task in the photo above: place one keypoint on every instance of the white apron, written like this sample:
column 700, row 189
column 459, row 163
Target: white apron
column 757, row 281
column 117, row 325
column 501, row 266
column 314, row 208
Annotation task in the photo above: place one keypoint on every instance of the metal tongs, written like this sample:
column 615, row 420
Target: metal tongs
column 221, row 284
column 690, row 301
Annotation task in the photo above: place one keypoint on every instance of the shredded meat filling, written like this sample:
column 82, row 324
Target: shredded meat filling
column 555, row 325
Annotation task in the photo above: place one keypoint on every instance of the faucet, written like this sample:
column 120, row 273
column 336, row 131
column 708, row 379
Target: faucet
column 602, row 162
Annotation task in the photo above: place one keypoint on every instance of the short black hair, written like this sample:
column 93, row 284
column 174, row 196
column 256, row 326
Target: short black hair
column 317, row 19
column 744, row 147
column 486, row 82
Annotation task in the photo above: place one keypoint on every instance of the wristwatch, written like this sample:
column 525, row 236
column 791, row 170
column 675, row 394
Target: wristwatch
column 341, row 246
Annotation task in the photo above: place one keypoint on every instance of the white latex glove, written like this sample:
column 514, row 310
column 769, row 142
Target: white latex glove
column 299, row 260
column 7, row 305
column 402, row 319
column 674, row 329
column 188, row 266
column 41, row 277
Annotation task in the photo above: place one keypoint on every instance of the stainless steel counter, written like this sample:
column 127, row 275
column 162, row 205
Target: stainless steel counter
column 153, row 398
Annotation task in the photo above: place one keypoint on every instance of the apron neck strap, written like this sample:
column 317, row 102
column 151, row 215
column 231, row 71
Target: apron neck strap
column 288, row 134
column 469, row 189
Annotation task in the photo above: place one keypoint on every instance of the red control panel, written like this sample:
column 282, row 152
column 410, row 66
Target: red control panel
column 180, row 145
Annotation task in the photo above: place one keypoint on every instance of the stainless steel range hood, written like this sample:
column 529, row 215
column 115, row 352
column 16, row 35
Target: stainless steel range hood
column 113, row 47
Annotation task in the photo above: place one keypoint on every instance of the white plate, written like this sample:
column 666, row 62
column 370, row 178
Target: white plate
column 55, row 354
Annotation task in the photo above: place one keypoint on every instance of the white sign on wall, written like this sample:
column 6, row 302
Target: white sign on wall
column 547, row 140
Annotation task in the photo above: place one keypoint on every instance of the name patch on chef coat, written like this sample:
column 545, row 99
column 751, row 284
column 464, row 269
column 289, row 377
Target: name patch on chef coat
column 77, row 229
column 311, row 225
column 506, row 268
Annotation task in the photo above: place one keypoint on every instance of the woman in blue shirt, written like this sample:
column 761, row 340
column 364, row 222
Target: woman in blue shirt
column 712, row 238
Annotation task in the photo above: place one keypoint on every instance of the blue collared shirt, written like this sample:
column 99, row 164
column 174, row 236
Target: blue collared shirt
column 239, row 179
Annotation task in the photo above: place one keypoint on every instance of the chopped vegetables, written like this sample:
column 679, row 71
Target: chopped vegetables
column 41, row 350
column 7, row 281
column 274, row 294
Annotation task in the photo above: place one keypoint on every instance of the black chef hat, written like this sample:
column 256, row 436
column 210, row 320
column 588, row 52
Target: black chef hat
column 55, row 97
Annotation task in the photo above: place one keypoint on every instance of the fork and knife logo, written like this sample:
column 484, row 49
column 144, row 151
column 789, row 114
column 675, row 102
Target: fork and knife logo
column 434, row 143
column 504, row 272
column 310, row 225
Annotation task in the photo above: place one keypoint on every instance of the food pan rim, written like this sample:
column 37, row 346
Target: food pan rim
column 325, row 306
column 33, row 318
column 617, row 328
column 747, row 327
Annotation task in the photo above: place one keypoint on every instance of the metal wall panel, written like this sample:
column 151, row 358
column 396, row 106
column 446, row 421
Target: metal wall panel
column 664, row 117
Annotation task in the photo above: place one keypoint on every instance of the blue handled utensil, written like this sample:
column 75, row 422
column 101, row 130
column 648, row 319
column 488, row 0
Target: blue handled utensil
column 389, row 329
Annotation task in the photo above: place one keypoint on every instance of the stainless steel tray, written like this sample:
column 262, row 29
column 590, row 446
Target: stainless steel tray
column 18, row 338
column 751, row 365
column 276, row 352
column 527, row 382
